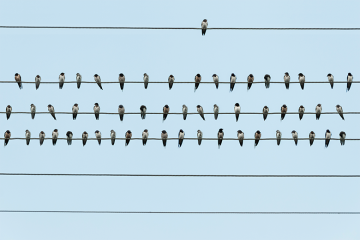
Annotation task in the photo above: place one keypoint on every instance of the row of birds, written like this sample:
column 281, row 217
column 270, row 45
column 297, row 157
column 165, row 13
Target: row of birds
column 171, row 79
column 166, row 110
column 164, row 136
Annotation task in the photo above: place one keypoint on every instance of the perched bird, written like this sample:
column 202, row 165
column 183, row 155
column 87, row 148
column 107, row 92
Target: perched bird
column 216, row 111
column 342, row 137
column 37, row 81
column 331, row 80
column 143, row 111
column 164, row 136
column 121, row 111
column 287, row 80
column 181, row 137
column 267, row 80
column 199, row 136
column 8, row 111
column 61, row 80
column 41, row 137
column 340, row 111
column 232, row 82
column 69, row 136
column 184, row 111
column 265, row 112
column 75, row 110
column 51, row 111
column 237, row 111
column 171, row 80
column 112, row 136
column 216, row 80
column 27, row 136
column 250, row 80
column 166, row 110
column 200, row 111
column 301, row 111
column 7, row 136
column 302, row 80
column 145, row 136
column 32, row 110
column 197, row 81
column 128, row 136
column 55, row 135
column 240, row 136
column 349, row 81
column 98, row 136
column 204, row 26
column 122, row 80
column 84, row 136
column 96, row 111
column 283, row 110
column 98, row 80
column 18, row 80
column 278, row 137
column 327, row 137
column 295, row 136
column 311, row 137
column 318, row 110
column 146, row 80
column 220, row 136
column 78, row 80
column 257, row 137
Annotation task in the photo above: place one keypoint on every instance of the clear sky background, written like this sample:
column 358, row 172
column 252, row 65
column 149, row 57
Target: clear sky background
column 48, row 52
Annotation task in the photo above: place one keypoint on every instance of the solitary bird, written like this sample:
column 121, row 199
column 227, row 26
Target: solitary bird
column 197, row 81
column 75, row 110
column 37, row 81
column 143, row 111
column 267, row 80
column 96, row 111
column 145, row 136
column 204, row 26
column 78, row 80
column 184, row 111
column 327, row 137
column 51, row 111
column 216, row 80
column 69, row 136
column 340, row 111
column 27, row 136
column 237, row 111
column 240, row 136
column 216, row 111
column 301, row 111
column 283, row 110
column 61, row 80
column 342, row 137
column 84, row 136
column 98, row 81
column 265, row 112
column 232, row 82
column 166, row 110
column 318, row 110
column 295, row 136
column 18, row 80
column 98, row 136
column 41, row 137
column 311, row 137
column 200, row 110
column 54, row 136
column 220, row 136
column 181, row 137
column 287, row 80
column 146, row 80
column 121, row 111
column 278, row 137
column 302, row 80
column 7, row 136
column 257, row 137
column 164, row 137
column 122, row 80
column 112, row 136
column 128, row 136
column 250, row 80
column 349, row 81
column 32, row 111
column 331, row 80
column 8, row 111
column 171, row 80
column 199, row 136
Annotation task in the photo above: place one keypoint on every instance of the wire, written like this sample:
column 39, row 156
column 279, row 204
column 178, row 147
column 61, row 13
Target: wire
column 175, row 82
column 178, row 113
column 225, row 139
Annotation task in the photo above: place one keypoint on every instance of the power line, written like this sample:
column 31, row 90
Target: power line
column 130, row 82
column 225, row 139
column 180, row 113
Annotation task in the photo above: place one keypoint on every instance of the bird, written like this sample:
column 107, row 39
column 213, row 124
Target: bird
column 283, row 110
column 204, row 26
column 302, row 80
column 121, row 111
column 257, row 137
column 18, row 80
column 55, row 135
column 32, row 111
column 128, row 136
column 8, row 111
column 96, row 111
column 171, row 80
column 122, row 80
column 295, row 136
column 287, row 80
column 84, row 137
column 200, row 111
column 145, row 135
column 184, row 111
column 112, row 136
column 78, row 80
column 199, row 136
column 166, row 110
column 146, row 80
column 41, row 137
column 37, row 81
column 311, row 137
column 232, row 81
column 220, row 136
column 181, row 137
column 7, row 136
column 143, row 111
column 342, row 137
column 349, row 81
column 98, row 136
column 240, row 136
column 265, row 112
column 75, row 110
column 27, row 136
column 237, row 111
column 51, row 111
column 61, row 80
column 267, row 80
column 301, row 111
column 216, row 111
column 98, row 80
column 331, row 80
column 69, row 136
column 340, row 111
column 250, row 80
column 318, row 110
column 197, row 81
column 164, row 136
column 327, row 137
column 216, row 80
column 278, row 137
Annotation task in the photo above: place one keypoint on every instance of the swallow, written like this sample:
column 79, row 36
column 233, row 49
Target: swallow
column 311, row 137
column 283, row 110
column 98, row 136
column 51, row 111
column 121, row 111
column 146, row 80
column 143, row 111
column 128, row 136
column 237, row 111
column 199, row 136
column 41, row 137
column 200, row 111
column 171, row 80
column 96, row 110
column 32, row 111
column 75, row 110
column 197, row 81
column 122, row 80
column 340, row 111
column 181, row 137
column 301, row 111
column 257, row 137
column 240, row 135
column 78, row 80
column 287, row 80
column 331, row 80
column 61, row 80
column 204, row 26
column 250, row 80
column 7, row 136
column 98, row 80
column 278, row 137
column 184, row 111
column 216, row 80
column 265, row 112
column 302, row 80
column 164, row 137
column 232, row 82
column 145, row 136
column 349, row 81
column 84, row 137
column 327, row 137
column 267, row 80
column 166, row 110
column 220, row 136
column 216, row 111
column 37, row 81
column 27, row 137
column 318, row 110
column 8, row 111
column 55, row 135
column 18, row 80
column 295, row 136
column 342, row 137
column 112, row 136
column 69, row 136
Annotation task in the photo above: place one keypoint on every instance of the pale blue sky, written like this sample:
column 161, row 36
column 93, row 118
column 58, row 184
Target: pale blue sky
column 49, row 52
